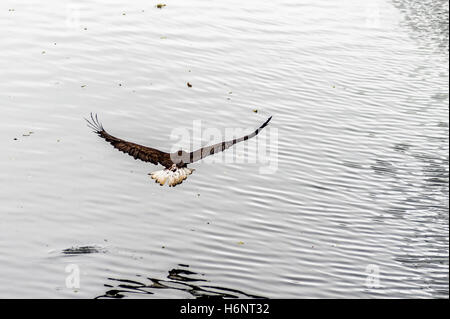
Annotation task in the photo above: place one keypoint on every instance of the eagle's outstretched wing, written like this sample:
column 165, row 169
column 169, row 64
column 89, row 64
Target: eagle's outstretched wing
column 141, row 152
column 219, row 147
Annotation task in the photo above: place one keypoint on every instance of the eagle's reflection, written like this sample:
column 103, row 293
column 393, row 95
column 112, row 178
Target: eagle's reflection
column 179, row 278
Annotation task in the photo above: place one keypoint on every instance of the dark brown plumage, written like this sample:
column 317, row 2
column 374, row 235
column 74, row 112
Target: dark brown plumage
column 220, row 147
column 174, row 163
column 146, row 154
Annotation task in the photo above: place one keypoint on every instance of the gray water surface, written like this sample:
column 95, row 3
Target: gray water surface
column 356, row 207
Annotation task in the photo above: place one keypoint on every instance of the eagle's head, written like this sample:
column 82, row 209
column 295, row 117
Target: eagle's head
column 180, row 157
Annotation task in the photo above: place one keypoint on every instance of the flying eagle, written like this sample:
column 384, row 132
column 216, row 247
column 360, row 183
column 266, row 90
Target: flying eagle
column 175, row 164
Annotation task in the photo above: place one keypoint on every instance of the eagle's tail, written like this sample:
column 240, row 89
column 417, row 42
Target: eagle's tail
column 172, row 177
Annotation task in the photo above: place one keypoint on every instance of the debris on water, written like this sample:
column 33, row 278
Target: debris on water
column 120, row 84
column 28, row 134
column 163, row 37
column 43, row 52
column 255, row 110
column 84, row 85
column 189, row 84
column 240, row 243
column 230, row 92
column 124, row 14
column 12, row 10
column 15, row 139
column 160, row 5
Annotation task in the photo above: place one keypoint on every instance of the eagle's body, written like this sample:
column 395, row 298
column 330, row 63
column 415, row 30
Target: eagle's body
column 176, row 170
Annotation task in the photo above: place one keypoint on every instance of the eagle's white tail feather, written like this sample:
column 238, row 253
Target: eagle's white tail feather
column 173, row 178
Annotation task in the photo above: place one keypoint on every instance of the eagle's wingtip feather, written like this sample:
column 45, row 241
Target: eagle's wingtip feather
column 265, row 123
column 94, row 123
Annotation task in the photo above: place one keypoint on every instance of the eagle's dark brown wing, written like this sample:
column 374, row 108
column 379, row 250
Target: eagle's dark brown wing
column 219, row 147
column 141, row 152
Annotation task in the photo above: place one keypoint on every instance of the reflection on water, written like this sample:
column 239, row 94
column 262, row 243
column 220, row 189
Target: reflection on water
column 427, row 249
column 428, row 19
column 179, row 279
column 79, row 250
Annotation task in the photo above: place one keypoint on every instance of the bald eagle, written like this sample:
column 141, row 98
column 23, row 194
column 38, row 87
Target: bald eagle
column 176, row 170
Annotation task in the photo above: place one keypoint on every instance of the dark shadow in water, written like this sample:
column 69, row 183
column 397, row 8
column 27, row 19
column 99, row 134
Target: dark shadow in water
column 423, row 204
column 428, row 19
column 177, row 279
column 79, row 250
